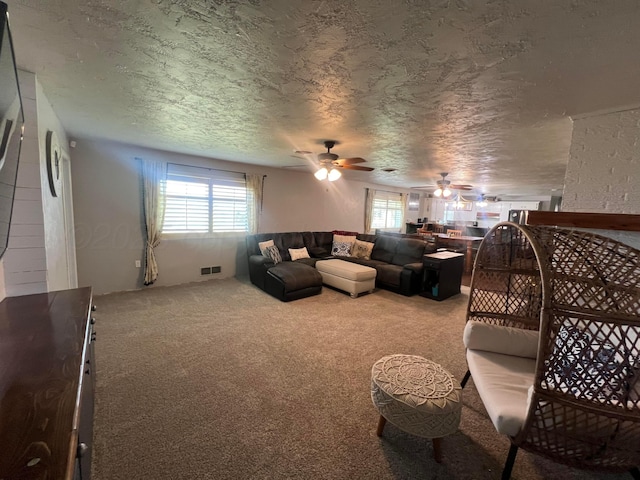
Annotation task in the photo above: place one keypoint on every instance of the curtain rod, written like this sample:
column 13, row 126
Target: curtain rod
column 208, row 168
column 385, row 191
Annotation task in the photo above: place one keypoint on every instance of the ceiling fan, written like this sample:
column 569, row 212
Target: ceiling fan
column 330, row 163
column 444, row 187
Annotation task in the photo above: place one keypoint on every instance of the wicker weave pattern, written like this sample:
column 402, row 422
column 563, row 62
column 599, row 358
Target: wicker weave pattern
column 582, row 291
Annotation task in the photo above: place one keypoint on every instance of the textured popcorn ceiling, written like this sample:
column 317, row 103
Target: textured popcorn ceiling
column 481, row 89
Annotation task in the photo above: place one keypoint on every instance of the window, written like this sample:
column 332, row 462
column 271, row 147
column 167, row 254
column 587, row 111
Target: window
column 202, row 200
column 387, row 211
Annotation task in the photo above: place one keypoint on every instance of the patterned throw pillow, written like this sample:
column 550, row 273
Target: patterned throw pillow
column 362, row 249
column 264, row 245
column 586, row 367
column 342, row 245
column 344, row 238
column 274, row 254
column 297, row 253
column 341, row 249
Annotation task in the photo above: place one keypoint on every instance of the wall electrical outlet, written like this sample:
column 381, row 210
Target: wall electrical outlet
column 138, row 264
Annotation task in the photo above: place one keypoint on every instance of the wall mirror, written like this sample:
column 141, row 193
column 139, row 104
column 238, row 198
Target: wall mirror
column 11, row 127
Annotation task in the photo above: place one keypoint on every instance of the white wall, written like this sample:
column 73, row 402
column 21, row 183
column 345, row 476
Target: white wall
column 603, row 174
column 110, row 228
column 36, row 260
column 57, row 232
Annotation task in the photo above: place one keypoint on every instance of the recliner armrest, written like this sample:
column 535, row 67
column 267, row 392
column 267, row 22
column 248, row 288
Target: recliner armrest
column 260, row 260
column 414, row 267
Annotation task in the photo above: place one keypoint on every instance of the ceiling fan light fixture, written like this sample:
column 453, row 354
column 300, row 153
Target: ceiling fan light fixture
column 321, row 174
column 438, row 192
column 334, row 175
column 446, row 192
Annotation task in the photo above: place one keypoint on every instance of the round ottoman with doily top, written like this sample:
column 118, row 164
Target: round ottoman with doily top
column 418, row 396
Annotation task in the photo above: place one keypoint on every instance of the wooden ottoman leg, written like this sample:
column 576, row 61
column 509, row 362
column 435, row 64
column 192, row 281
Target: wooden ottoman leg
column 381, row 423
column 437, row 449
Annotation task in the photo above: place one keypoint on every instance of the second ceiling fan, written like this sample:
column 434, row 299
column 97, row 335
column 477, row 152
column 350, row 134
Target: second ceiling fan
column 445, row 186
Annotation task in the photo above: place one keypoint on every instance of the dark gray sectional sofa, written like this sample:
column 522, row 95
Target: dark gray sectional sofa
column 397, row 260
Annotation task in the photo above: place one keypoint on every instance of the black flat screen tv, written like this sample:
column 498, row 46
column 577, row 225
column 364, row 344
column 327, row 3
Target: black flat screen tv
column 11, row 127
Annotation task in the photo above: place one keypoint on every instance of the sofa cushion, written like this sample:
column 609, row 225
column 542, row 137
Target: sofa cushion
column 416, row 268
column 384, row 249
column 389, row 274
column 365, row 237
column 285, row 241
column 291, row 280
column 499, row 339
column 362, row 261
column 307, row 261
column 322, row 240
column 408, row 250
column 320, row 252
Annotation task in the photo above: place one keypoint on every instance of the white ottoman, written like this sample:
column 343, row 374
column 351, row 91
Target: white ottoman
column 417, row 396
column 346, row 276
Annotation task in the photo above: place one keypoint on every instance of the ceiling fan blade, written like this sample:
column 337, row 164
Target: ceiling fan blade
column 350, row 161
column 461, row 187
column 356, row 167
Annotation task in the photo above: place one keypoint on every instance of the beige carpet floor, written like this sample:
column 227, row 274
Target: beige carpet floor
column 218, row 380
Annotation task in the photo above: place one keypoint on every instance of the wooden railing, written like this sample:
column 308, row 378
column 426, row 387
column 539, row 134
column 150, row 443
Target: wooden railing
column 602, row 221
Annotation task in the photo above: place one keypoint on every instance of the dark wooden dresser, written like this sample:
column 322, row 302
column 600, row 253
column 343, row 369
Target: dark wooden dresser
column 46, row 385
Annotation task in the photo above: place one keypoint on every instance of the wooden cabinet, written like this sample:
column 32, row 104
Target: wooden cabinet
column 46, row 386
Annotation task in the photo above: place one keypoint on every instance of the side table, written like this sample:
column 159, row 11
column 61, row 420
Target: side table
column 418, row 396
column 442, row 274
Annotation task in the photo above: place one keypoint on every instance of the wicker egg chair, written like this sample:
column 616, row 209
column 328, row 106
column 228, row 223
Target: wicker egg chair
column 581, row 291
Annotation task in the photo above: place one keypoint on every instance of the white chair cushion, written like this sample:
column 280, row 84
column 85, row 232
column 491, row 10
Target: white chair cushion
column 503, row 383
column 499, row 339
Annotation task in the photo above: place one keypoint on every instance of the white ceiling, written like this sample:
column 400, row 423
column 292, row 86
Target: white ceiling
column 484, row 90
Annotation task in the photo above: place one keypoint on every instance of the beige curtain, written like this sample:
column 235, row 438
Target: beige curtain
column 254, row 201
column 405, row 200
column 153, row 188
column 370, row 194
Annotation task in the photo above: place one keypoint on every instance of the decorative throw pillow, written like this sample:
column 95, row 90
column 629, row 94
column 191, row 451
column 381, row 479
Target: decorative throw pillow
column 264, row 245
column 344, row 238
column 297, row 253
column 341, row 249
column 342, row 245
column 274, row 254
column 586, row 366
column 362, row 249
